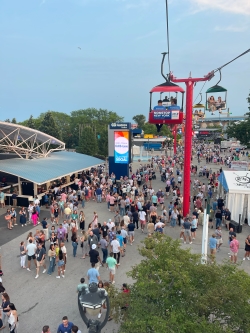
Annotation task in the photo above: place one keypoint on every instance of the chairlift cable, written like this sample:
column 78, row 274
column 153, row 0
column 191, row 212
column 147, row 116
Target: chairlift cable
column 168, row 37
column 219, row 68
column 200, row 92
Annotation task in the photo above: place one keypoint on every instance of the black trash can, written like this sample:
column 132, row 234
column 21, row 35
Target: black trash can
column 236, row 226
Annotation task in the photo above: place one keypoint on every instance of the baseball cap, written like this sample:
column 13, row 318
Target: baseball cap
column 93, row 246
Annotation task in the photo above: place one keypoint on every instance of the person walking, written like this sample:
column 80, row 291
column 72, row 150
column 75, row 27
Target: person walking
column 111, row 265
column 31, row 250
column 213, row 245
column 93, row 274
column 187, row 231
column 104, row 247
column 218, row 234
column 22, row 254
column 247, row 248
column 84, row 244
column 40, row 259
column 60, row 265
column 116, row 249
column 131, row 232
column 193, row 227
column 66, row 326
column 234, row 248
column 23, row 215
column 95, row 257
column 52, row 259
column 74, row 240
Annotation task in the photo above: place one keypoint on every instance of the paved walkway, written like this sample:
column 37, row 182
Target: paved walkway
column 47, row 299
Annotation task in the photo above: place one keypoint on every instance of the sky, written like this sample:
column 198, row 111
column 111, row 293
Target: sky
column 65, row 55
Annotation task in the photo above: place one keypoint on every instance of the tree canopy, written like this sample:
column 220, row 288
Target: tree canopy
column 88, row 143
column 69, row 128
column 151, row 129
column 173, row 292
column 241, row 130
column 140, row 120
column 49, row 126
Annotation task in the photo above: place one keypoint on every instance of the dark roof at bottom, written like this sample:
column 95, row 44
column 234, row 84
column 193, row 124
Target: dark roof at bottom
column 43, row 170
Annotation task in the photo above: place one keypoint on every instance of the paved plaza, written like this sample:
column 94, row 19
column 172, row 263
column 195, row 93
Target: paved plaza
column 44, row 301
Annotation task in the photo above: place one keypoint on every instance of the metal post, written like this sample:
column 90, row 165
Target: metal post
column 204, row 238
column 175, row 138
column 188, row 147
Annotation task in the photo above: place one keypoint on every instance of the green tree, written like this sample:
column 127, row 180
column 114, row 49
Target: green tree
column 102, row 138
column 98, row 120
column 13, row 121
column 173, row 292
column 140, row 120
column 151, row 129
column 7, row 120
column 63, row 121
column 88, row 142
column 49, row 126
column 31, row 123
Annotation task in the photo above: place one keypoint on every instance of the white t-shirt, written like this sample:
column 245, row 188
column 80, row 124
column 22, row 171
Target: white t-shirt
column 115, row 246
column 31, row 248
column 142, row 215
column 110, row 225
column 126, row 220
column 64, row 250
column 159, row 224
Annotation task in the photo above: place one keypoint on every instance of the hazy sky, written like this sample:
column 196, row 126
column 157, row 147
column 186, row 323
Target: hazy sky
column 120, row 41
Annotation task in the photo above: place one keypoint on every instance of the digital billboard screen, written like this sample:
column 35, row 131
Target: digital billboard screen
column 121, row 152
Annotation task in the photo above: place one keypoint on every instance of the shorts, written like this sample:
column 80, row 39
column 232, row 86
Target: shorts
column 219, row 241
column 131, row 233
column 112, row 271
column 193, row 229
column 111, row 205
column 117, row 224
column 67, row 217
column 187, row 232
column 40, row 263
column 155, row 204
column 143, row 222
column 125, row 240
column 60, row 263
column 2, row 201
column 31, row 257
column 212, row 251
column 233, row 253
column 52, row 215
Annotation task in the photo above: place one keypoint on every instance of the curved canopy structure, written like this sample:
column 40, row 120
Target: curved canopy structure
column 27, row 142
column 167, row 87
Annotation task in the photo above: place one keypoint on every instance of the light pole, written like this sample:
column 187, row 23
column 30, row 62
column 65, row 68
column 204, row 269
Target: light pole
column 90, row 302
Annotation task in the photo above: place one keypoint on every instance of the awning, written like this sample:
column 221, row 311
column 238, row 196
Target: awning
column 43, row 170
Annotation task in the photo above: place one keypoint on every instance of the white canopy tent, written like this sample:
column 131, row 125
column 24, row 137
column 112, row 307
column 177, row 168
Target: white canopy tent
column 236, row 185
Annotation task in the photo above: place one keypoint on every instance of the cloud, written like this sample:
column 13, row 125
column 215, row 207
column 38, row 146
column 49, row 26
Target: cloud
column 232, row 6
column 231, row 28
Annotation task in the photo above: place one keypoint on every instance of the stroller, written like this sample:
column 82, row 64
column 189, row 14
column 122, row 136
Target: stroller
column 200, row 173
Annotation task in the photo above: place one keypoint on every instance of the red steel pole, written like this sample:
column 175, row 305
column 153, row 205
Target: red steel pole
column 175, row 137
column 188, row 147
column 188, row 134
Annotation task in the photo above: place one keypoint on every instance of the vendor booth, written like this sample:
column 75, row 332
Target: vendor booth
column 234, row 186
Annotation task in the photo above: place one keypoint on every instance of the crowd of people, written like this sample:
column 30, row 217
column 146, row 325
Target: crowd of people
column 133, row 204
